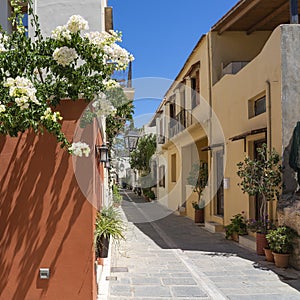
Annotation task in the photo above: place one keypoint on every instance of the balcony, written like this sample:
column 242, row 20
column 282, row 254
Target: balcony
column 160, row 139
column 234, row 67
column 124, row 77
column 178, row 124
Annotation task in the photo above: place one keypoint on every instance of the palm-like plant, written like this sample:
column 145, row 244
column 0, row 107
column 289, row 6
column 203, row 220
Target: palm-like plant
column 108, row 225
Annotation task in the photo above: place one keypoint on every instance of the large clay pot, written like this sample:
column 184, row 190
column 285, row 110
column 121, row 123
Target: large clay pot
column 269, row 255
column 281, row 260
column 261, row 243
column 199, row 215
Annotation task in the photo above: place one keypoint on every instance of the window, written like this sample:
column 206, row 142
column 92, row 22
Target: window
column 162, row 176
column 195, row 85
column 260, row 106
column 173, row 167
column 172, row 110
column 256, row 106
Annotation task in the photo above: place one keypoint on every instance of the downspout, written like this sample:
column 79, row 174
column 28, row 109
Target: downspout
column 269, row 132
column 269, row 115
column 211, row 206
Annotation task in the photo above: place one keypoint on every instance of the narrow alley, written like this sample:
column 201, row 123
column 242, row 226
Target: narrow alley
column 174, row 258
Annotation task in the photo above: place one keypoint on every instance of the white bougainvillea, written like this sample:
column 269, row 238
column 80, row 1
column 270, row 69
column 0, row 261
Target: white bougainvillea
column 61, row 33
column 64, row 55
column 80, row 149
column 68, row 64
column 77, row 23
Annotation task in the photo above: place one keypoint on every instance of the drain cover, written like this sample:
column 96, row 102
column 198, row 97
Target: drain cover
column 119, row 269
column 111, row 278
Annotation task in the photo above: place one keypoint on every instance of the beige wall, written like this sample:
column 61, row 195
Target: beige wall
column 230, row 103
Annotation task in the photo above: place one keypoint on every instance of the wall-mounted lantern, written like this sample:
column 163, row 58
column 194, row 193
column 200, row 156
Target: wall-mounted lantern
column 102, row 153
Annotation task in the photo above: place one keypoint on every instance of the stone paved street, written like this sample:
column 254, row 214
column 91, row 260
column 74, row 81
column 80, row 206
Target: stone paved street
column 173, row 258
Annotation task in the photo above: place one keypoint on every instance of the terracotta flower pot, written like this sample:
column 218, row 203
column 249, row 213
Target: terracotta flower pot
column 261, row 243
column 269, row 255
column 199, row 215
column 235, row 236
column 281, row 260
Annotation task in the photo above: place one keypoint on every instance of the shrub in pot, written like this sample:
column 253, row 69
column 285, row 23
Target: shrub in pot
column 238, row 226
column 280, row 241
column 198, row 179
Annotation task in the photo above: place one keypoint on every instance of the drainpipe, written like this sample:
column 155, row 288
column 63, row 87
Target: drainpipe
column 209, row 52
column 269, row 131
column 269, row 116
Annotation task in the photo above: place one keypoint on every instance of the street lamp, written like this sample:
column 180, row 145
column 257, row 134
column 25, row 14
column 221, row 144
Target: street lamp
column 131, row 140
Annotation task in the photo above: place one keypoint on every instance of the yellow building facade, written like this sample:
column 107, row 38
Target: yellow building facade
column 234, row 93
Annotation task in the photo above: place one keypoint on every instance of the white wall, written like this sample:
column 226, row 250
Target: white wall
column 53, row 13
column 4, row 15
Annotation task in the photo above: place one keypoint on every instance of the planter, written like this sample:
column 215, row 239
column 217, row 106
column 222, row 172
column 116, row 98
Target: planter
column 235, row 236
column 102, row 247
column 281, row 260
column 269, row 255
column 261, row 243
column 199, row 215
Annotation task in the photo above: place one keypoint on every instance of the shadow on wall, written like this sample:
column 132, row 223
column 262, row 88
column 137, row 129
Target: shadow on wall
column 40, row 203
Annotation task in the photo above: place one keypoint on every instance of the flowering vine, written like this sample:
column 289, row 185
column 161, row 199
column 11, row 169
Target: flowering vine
column 35, row 74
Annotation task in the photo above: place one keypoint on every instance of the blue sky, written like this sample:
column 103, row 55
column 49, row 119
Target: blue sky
column 161, row 34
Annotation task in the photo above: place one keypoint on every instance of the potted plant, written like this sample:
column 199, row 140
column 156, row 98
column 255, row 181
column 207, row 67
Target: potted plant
column 261, row 176
column 238, row 226
column 281, row 243
column 117, row 198
column 198, row 179
column 108, row 225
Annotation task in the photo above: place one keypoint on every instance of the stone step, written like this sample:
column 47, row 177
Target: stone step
column 248, row 242
column 214, row 227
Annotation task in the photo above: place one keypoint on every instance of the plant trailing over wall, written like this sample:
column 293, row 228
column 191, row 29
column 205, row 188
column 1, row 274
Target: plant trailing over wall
column 198, row 179
column 36, row 73
column 261, row 176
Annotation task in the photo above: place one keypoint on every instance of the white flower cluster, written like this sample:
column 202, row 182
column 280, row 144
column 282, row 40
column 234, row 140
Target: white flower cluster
column 113, row 52
column 80, row 149
column 111, row 84
column 22, row 90
column 102, row 106
column 3, row 39
column 2, row 108
column 77, row 23
column 103, row 38
column 61, row 33
column 51, row 116
column 118, row 55
column 64, row 55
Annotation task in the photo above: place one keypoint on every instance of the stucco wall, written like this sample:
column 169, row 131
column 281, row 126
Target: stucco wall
column 53, row 13
column 230, row 103
column 46, row 222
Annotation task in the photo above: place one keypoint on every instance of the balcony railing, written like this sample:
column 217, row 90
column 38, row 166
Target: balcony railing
column 124, row 77
column 179, row 123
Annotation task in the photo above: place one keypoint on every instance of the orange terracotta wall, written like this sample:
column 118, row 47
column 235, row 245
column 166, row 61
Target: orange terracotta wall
column 45, row 220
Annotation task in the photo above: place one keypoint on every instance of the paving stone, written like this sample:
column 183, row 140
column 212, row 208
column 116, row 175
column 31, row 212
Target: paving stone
column 120, row 290
column 188, row 291
column 151, row 291
column 146, row 280
column 179, row 281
